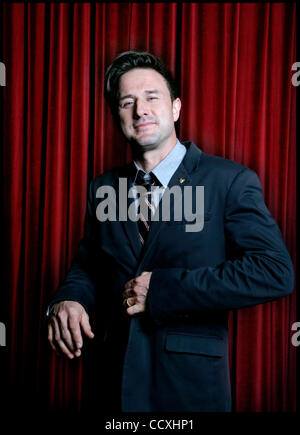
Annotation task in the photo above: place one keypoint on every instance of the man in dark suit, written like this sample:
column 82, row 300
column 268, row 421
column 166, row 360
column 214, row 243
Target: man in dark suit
column 161, row 284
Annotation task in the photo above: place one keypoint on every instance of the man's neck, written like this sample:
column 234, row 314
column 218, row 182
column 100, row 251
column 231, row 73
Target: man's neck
column 150, row 159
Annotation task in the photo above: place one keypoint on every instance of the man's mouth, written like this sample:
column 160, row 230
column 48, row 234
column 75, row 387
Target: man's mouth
column 144, row 124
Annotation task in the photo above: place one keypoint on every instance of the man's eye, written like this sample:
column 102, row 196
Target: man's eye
column 126, row 104
column 153, row 98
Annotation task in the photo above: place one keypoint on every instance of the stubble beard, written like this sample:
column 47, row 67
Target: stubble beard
column 151, row 142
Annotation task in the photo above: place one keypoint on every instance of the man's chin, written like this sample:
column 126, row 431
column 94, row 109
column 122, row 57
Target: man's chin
column 145, row 144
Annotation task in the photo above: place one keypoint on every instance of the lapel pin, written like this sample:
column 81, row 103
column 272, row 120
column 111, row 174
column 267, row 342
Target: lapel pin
column 181, row 180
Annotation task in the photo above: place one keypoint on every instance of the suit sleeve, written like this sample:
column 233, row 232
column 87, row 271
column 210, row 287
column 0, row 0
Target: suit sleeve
column 79, row 284
column 259, row 268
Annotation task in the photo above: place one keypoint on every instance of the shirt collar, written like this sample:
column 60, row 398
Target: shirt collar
column 167, row 167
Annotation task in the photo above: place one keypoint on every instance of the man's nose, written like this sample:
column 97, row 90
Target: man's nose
column 141, row 108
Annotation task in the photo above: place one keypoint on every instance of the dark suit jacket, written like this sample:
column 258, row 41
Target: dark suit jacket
column 176, row 354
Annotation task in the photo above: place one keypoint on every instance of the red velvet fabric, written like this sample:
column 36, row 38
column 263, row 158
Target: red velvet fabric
column 233, row 66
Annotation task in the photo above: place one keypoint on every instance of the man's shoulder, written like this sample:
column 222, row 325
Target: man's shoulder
column 220, row 171
column 212, row 162
column 222, row 163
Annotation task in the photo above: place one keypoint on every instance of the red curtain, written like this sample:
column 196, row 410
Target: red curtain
column 233, row 66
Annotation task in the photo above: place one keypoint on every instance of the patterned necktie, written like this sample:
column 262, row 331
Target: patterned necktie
column 146, row 208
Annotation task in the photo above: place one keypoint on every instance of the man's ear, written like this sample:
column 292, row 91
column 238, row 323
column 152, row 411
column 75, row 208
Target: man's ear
column 176, row 109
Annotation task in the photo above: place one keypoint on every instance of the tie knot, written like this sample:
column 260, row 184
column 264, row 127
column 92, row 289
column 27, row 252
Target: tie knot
column 143, row 179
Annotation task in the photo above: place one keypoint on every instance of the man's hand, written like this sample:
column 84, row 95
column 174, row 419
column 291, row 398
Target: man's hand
column 135, row 293
column 67, row 321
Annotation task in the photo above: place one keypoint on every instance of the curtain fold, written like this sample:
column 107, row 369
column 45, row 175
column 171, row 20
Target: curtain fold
column 232, row 62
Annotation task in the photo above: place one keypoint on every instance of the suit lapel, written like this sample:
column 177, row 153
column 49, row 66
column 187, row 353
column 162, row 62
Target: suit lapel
column 129, row 227
column 131, row 230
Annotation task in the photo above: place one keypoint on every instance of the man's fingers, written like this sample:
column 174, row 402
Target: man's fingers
column 135, row 294
column 137, row 305
column 128, row 302
column 128, row 293
column 52, row 340
column 50, row 336
column 65, row 331
column 75, row 331
column 86, row 327
column 58, row 342
column 136, row 308
column 64, row 349
column 129, row 284
column 136, row 290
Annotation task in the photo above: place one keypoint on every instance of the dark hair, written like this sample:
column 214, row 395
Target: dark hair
column 127, row 61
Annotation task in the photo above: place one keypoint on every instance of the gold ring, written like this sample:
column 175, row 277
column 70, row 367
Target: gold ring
column 128, row 303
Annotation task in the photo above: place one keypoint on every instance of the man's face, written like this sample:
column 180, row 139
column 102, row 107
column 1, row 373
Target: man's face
column 146, row 111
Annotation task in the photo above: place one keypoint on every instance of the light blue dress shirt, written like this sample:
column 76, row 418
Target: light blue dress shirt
column 167, row 167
